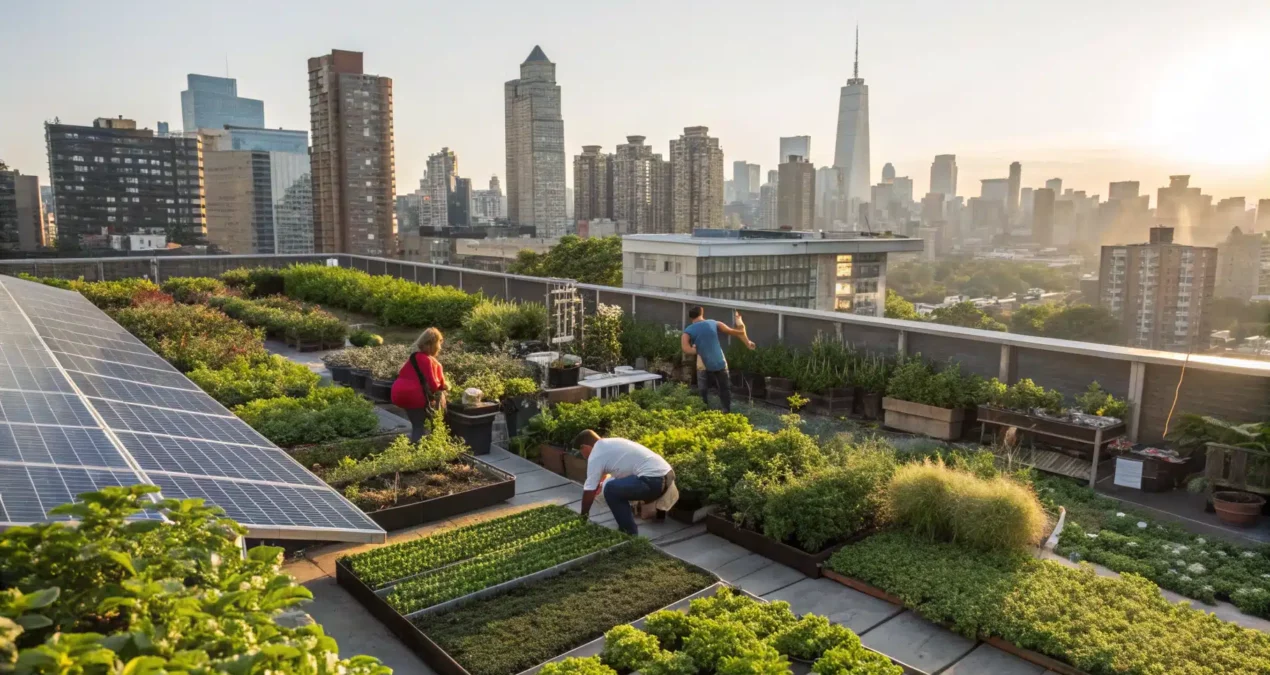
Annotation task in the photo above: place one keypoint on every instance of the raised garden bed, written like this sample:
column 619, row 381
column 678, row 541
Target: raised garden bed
column 1055, row 431
column 552, row 458
column 341, row 374
column 791, row 556
column 575, row 467
column 379, row 390
column 868, row 404
column 778, row 390
column 832, row 403
column 945, row 424
column 500, row 490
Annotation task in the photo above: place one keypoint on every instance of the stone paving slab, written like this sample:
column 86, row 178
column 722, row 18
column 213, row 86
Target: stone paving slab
column 741, row 567
column 356, row 631
column 918, row 643
column 839, row 604
column 560, row 494
column 988, row 660
column 768, row 579
column 706, row 551
column 541, row 479
column 515, row 465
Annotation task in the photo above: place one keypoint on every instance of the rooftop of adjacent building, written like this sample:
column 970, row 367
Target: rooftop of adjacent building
column 716, row 242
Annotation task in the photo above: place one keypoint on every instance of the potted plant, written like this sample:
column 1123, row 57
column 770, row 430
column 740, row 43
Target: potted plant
column 382, row 375
column 360, row 360
column 520, row 403
column 776, row 363
column 920, row 401
column 364, row 338
column 471, row 416
column 341, row 366
column 1032, row 408
column 564, row 371
column 1242, row 509
column 869, row 378
column 822, row 374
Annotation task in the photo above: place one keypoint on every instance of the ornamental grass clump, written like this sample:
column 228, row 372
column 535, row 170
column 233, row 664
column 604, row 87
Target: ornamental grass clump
column 943, row 504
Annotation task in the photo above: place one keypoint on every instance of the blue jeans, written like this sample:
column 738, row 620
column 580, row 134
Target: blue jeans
column 721, row 380
column 620, row 492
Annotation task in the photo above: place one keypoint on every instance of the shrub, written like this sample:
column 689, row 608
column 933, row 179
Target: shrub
column 192, row 289
column 1095, row 401
column 243, row 380
column 943, row 504
column 191, row 336
column 433, row 451
column 577, row 666
column 493, row 323
column 325, row 414
column 915, row 380
column 238, row 278
column 64, row 284
column 655, row 342
column 461, row 364
column 519, row 386
column 112, row 295
column 364, row 338
column 116, row 594
column 1025, row 396
column 393, row 301
column 602, row 338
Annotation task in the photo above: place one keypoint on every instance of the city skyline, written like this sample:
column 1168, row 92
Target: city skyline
column 1099, row 118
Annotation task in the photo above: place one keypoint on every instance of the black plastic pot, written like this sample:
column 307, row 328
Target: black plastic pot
column 869, row 403
column 519, row 410
column 563, row 377
column 341, row 374
column 359, row 378
column 379, row 390
column 474, row 424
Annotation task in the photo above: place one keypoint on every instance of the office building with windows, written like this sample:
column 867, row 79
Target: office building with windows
column 112, row 178
column 787, row 268
column 535, row 145
column 213, row 102
column 259, row 191
column 592, row 184
column 641, row 188
column 21, row 213
column 795, row 146
column 696, row 180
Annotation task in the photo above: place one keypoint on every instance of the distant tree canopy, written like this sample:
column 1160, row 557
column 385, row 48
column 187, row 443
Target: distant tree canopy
column 590, row 261
column 932, row 282
column 1073, row 322
column 899, row 308
column 966, row 315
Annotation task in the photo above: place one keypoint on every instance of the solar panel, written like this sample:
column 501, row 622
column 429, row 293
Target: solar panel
column 85, row 405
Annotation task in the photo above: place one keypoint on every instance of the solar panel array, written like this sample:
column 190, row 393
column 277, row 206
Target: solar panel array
column 85, row 405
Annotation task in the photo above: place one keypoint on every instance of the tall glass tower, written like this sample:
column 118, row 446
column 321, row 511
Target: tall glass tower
column 851, row 154
column 212, row 102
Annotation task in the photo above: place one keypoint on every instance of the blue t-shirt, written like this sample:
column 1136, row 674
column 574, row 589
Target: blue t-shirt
column 705, row 337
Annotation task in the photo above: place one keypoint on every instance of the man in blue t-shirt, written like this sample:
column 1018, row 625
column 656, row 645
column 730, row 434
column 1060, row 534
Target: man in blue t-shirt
column 701, row 338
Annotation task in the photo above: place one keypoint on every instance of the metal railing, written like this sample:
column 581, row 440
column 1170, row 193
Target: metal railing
column 1234, row 389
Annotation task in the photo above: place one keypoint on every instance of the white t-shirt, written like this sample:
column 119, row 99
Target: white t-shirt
column 619, row 458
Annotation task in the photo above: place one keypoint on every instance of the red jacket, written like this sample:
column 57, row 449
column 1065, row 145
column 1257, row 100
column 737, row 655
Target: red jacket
column 406, row 391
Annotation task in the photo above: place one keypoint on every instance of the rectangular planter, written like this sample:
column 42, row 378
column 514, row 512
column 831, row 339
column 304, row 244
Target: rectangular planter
column 439, row 508
column 1037, row 658
column 752, row 386
column 574, row 468
column 552, row 458
column 790, row 556
column 1057, row 432
column 946, row 424
column 831, row 403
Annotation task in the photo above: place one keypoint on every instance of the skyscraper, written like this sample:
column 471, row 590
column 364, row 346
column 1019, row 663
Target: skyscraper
column 115, row 179
column 795, row 145
column 488, row 204
column 354, row 176
column 851, row 154
column 259, row 191
column 741, row 180
column 535, row 145
column 1055, row 184
column 756, row 180
column 796, row 194
column 995, row 188
column 592, row 184
column 943, row 175
column 443, row 171
column 21, row 215
column 888, row 173
column 1012, row 200
column 696, row 174
column 212, row 102
column 641, row 188
column 1043, row 217
column 1159, row 291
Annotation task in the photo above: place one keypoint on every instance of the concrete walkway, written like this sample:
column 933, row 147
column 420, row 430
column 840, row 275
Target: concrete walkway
column 882, row 626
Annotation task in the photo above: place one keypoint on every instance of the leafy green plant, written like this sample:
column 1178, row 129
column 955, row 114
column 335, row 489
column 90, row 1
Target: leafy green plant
column 1024, row 396
column 872, row 373
column 364, row 338
column 1073, row 615
column 105, row 592
column 796, row 401
column 493, row 323
column 854, row 660
column 191, row 336
column 434, row 450
column 811, row 636
column 243, row 380
column 574, row 665
column 326, row 413
column 627, row 648
column 915, row 380
column 192, row 289
column 393, row 301
column 944, row 504
column 602, row 338
column 1095, row 401
column 519, row 386
column 760, row 659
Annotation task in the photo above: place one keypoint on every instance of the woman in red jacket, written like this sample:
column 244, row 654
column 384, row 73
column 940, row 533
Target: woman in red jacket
column 420, row 385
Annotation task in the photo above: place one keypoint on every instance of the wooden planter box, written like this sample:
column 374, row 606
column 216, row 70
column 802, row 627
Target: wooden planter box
column 778, row 390
column 1056, row 432
column 946, row 424
column 1233, row 467
column 574, row 468
column 440, row 508
column 1037, row 658
column 868, row 404
column 552, row 458
column 837, row 401
column 752, row 386
column 790, row 556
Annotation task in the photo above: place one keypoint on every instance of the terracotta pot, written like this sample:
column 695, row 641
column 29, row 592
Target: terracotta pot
column 1238, row 508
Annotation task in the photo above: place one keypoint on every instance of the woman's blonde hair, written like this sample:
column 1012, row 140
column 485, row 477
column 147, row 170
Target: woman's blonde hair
column 429, row 342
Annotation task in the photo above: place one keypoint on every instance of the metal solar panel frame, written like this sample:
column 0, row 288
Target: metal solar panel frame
column 62, row 342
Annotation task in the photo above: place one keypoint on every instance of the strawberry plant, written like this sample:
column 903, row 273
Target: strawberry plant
column 381, row 566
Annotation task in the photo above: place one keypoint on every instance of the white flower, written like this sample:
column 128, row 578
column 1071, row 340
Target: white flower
column 1091, row 535
column 1204, row 553
column 1201, row 541
column 1171, row 571
column 1142, row 525
column 1249, row 554
column 1196, row 568
column 1179, row 563
column 1183, row 578
column 1165, row 547
column 1177, row 551
column 1208, row 588
column 1220, row 553
column 1183, row 548
column 1120, row 515
column 1133, row 544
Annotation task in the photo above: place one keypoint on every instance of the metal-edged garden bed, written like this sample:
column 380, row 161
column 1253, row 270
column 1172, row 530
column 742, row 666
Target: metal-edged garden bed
column 790, row 556
column 440, row 508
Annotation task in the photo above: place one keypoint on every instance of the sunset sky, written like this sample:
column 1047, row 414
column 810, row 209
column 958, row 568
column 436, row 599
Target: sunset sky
column 1087, row 90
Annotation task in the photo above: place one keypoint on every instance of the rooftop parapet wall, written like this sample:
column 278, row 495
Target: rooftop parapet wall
column 1234, row 389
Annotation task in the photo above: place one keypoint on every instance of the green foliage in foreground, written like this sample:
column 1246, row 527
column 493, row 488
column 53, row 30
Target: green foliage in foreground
column 325, row 414
column 1104, row 626
column 510, row 632
column 733, row 633
column 113, row 595
column 243, row 380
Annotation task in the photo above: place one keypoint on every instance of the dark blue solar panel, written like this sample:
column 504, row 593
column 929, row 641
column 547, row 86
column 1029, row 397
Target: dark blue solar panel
column 127, row 391
column 69, row 446
column 269, row 505
column 27, row 493
column 35, row 407
column 179, row 455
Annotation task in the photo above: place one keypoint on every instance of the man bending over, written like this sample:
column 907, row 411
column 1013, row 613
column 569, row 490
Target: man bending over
column 635, row 474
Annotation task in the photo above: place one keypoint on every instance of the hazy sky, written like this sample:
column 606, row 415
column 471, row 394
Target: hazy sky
column 1088, row 90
